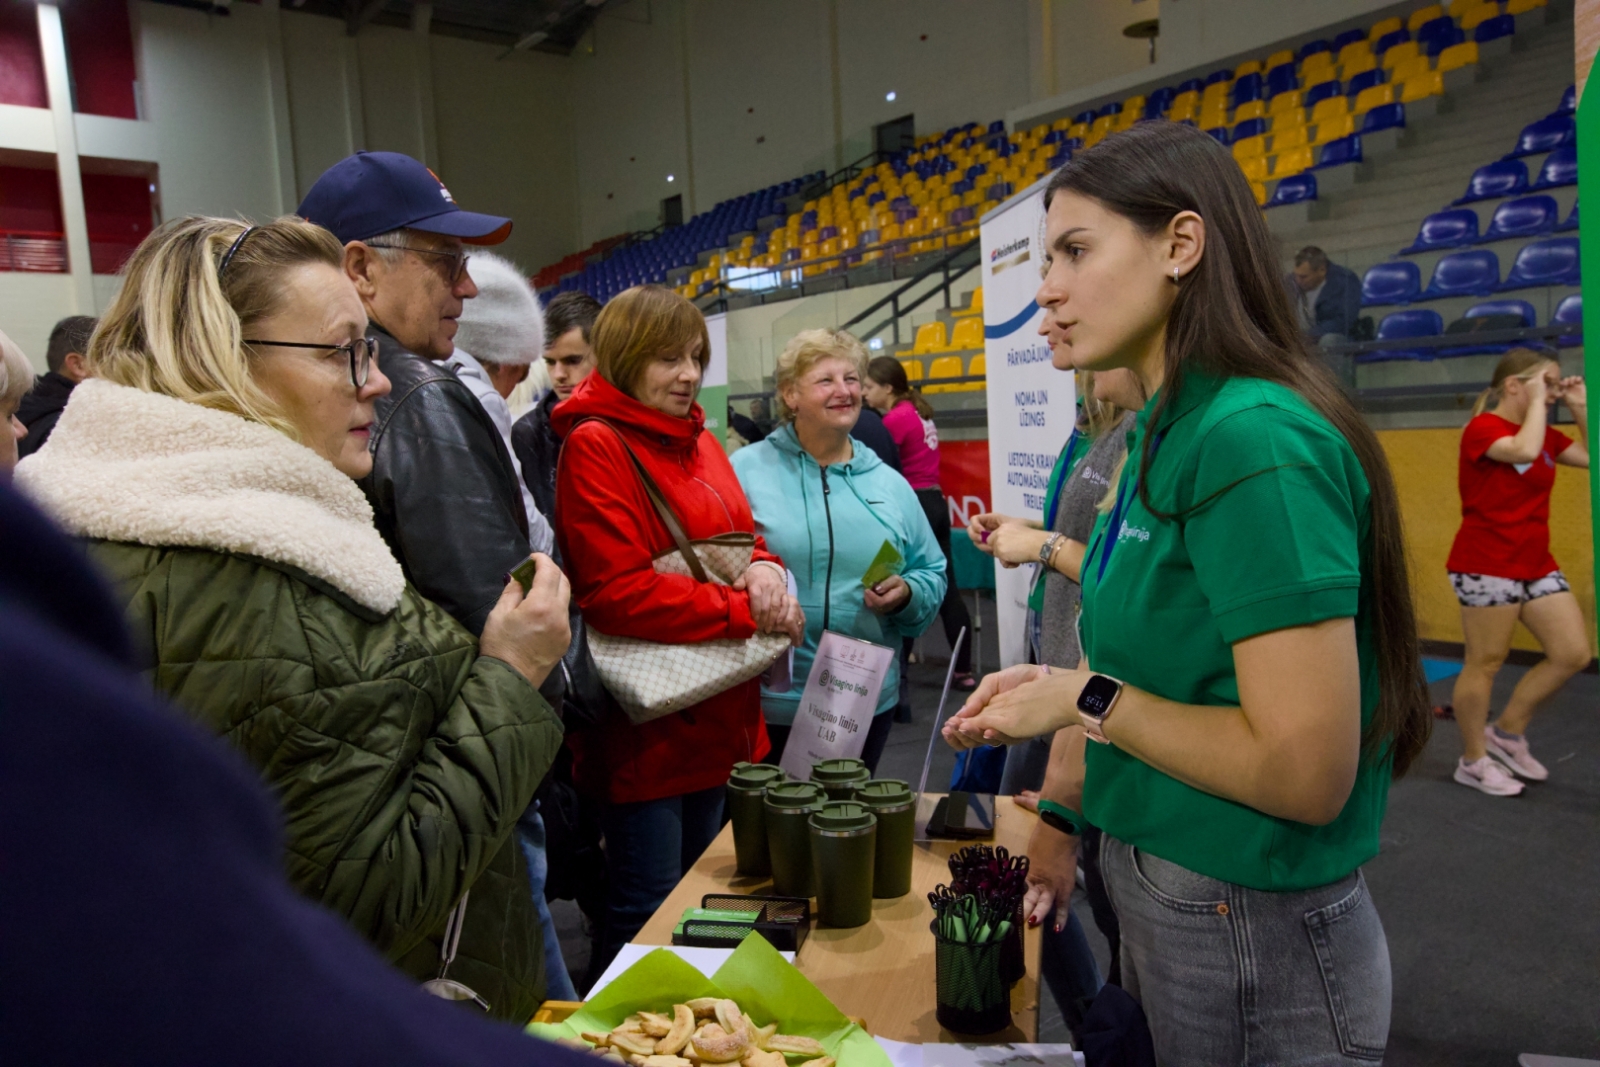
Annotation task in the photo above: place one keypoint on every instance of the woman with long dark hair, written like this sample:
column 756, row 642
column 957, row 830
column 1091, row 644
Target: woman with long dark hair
column 1251, row 680
column 909, row 420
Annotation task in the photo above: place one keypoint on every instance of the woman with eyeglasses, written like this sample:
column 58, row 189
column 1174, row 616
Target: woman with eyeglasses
column 210, row 464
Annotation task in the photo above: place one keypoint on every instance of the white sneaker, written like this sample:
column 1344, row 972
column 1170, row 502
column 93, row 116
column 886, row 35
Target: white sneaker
column 1515, row 755
column 1486, row 776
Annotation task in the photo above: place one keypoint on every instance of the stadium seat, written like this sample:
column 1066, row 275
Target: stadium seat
column 1337, row 153
column 1569, row 102
column 1360, row 65
column 1572, row 220
column 1278, row 59
column 1249, row 128
column 1333, row 129
column 1399, row 52
column 1373, row 96
column 1476, row 13
column 1422, row 16
column 1398, row 325
column 1292, row 161
column 913, row 369
column 1363, row 81
column 1255, row 169
column 1490, row 315
column 1219, row 77
column 1311, row 48
column 1553, row 261
column 943, row 367
column 1384, row 117
column 1186, row 100
column 1384, row 28
column 1526, row 216
column 930, row 338
column 1248, row 67
column 1447, row 36
column 1475, row 273
column 1282, row 79
column 1250, row 109
column 967, row 334
column 1395, row 282
column 1520, row 308
column 1285, row 103
column 977, row 366
column 1354, row 52
column 1457, row 56
column 1084, row 118
column 1191, row 85
column 1221, row 134
column 1456, row 8
column 1294, row 190
column 1491, row 29
column 1517, row 7
column 1346, row 39
column 1493, row 180
column 1548, row 133
column 1331, row 108
column 1321, row 91
column 1382, row 46
column 1454, row 228
column 1289, row 138
column 1410, row 68
column 1249, row 147
column 1318, row 68
column 1246, row 87
column 1569, row 313
column 1421, row 87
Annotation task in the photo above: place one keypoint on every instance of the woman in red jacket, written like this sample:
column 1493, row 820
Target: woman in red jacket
column 1501, row 565
column 662, row 781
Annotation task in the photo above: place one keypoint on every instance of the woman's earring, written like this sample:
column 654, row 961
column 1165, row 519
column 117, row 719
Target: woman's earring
column 1174, row 275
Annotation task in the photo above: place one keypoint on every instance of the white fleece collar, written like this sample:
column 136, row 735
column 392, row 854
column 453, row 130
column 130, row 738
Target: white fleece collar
column 127, row 465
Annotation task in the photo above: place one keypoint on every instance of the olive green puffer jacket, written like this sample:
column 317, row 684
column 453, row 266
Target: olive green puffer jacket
column 402, row 758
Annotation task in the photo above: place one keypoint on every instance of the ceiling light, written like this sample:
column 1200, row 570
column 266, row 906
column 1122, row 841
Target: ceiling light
column 669, row 177
column 890, row 97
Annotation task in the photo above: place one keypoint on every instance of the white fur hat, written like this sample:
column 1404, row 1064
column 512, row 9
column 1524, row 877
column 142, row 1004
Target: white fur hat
column 503, row 323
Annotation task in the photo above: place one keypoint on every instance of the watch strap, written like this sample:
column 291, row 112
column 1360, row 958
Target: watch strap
column 1063, row 818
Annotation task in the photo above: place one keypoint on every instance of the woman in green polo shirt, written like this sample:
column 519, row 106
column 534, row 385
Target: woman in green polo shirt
column 1251, row 680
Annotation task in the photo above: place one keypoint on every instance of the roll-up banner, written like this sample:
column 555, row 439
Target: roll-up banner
column 1586, row 39
column 713, row 397
column 1031, row 404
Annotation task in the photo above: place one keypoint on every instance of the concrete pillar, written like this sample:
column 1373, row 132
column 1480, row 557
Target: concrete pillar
column 53, row 43
column 282, row 122
column 427, row 123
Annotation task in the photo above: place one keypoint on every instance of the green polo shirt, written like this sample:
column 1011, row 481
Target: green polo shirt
column 1163, row 603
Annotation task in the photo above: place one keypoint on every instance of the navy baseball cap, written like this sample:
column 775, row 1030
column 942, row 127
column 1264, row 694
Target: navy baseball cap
column 375, row 192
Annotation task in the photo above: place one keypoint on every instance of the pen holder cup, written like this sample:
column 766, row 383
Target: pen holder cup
column 972, row 997
column 1012, row 964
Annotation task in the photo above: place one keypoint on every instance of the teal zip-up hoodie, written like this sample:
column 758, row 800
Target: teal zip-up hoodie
column 827, row 540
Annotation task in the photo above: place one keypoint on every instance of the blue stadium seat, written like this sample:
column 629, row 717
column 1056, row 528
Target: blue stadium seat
column 1246, row 89
column 1249, row 128
column 1490, row 309
column 1526, row 216
column 1221, row 134
column 1223, row 75
column 1162, row 99
column 1569, row 102
column 1455, row 228
column 997, row 191
column 997, row 126
column 1397, row 325
column 1384, row 117
column 1396, row 282
column 1195, row 84
column 1495, row 28
column 1321, row 91
column 1572, row 220
column 1083, row 118
column 1550, row 132
column 1365, row 80
column 1553, row 261
column 1282, row 79
column 1347, row 37
column 1569, row 313
column 1339, row 152
column 1295, row 189
column 1435, row 28
column 1113, row 108
column 1504, row 307
column 1437, row 42
column 1475, row 273
column 1389, row 40
column 1560, row 168
column 1492, row 180
column 1313, row 47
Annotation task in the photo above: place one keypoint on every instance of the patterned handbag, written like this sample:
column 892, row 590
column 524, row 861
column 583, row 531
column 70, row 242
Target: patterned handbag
column 650, row 679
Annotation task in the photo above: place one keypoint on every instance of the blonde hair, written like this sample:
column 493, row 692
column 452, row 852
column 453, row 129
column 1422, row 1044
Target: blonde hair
column 1099, row 416
column 16, row 376
column 175, row 328
column 638, row 325
column 1521, row 363
column 808, row 348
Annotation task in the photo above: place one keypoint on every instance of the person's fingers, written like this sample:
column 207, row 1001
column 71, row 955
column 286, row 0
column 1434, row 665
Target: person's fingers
column 1063, row 909
column 1028, row 800
column 547, row 578
column 510, row 596
column 1039, row 903
column 742, row 582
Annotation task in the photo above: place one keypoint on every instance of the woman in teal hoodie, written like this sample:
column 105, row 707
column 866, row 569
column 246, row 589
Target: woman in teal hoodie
column 826, row 504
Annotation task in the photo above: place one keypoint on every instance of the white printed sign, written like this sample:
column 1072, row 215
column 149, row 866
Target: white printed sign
column 837, row 705
column 1031, row 404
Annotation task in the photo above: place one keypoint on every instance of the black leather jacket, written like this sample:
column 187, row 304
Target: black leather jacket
column 538, row 448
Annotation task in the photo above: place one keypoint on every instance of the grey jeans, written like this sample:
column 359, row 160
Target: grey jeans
column 1235, row 976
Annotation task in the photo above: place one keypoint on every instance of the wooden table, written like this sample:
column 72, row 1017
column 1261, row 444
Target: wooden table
column 882, row 972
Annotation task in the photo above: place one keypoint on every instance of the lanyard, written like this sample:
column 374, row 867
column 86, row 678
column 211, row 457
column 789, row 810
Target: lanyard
column 1125, row 495
column 1063, row 467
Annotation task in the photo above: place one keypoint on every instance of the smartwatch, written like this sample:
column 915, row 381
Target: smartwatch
column 1099, row 696
column 1060, row 817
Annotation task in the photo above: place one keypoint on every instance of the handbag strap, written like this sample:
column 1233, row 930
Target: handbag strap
column 669, row 518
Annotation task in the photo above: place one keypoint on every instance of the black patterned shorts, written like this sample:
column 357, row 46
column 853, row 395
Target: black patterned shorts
column 1487, row 591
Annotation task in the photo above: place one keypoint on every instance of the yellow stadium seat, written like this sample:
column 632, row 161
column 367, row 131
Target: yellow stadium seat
column 967, row 334
column 1292, row 137
column 1457, row 56
column 1353, row 52
column 974, row 308
column 930, row 338
column 1287, row 121
column 1212, row 119
column 1317, row 68
column 1423, row 14
column 1334, row 128
column 1188, row 99
column 1359, row 64
column 1134, row 105
column 1455, row 8
column 975, row 367
column 1373, row 96
column 1078, row 129
column 1517, row 7
column 1399, row 54
column 1260, row 190
column 1250, row 109
column 1216, row 91
column 1410, row 68
column 1479, row 12
column 1422, row 86
column 1102, row 125
column 1333, row 107
column 1249, row 147
column 1190, row 113
column 1292, row 162
column 1061, row 124
column 1255, row 168
column 1380, row 29
column 1249, row 66
column 1278, row 59
column 1284, row 103
column 943, row 367
column 913, row 369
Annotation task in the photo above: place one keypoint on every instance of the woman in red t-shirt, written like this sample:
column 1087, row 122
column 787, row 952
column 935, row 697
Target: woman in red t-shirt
column 1501, row 565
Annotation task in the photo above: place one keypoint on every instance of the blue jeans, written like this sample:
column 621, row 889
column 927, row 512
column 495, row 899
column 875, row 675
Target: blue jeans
column 650, row 846
column 530, row 834
column 1227, row 974
column 1066, row 963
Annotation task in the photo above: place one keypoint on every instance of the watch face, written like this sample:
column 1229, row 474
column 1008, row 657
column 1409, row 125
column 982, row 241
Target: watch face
column 1097, row 696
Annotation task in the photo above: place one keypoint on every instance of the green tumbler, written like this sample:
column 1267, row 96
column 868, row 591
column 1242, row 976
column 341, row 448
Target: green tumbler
column 844, row 838
column 747, row 807
column 840, row 777
column 789, row 805
column 891, row 801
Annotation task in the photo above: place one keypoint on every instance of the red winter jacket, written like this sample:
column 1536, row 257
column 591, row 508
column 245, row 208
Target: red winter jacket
column 609, row 533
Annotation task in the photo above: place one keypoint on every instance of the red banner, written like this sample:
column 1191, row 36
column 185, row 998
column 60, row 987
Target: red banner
column 964, row 477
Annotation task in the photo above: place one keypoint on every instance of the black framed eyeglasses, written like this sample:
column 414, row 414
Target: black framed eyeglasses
column 361, row 353
column 458, row 260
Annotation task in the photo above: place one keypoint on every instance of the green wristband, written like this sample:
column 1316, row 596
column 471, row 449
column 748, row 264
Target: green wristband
column 1060, row 817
